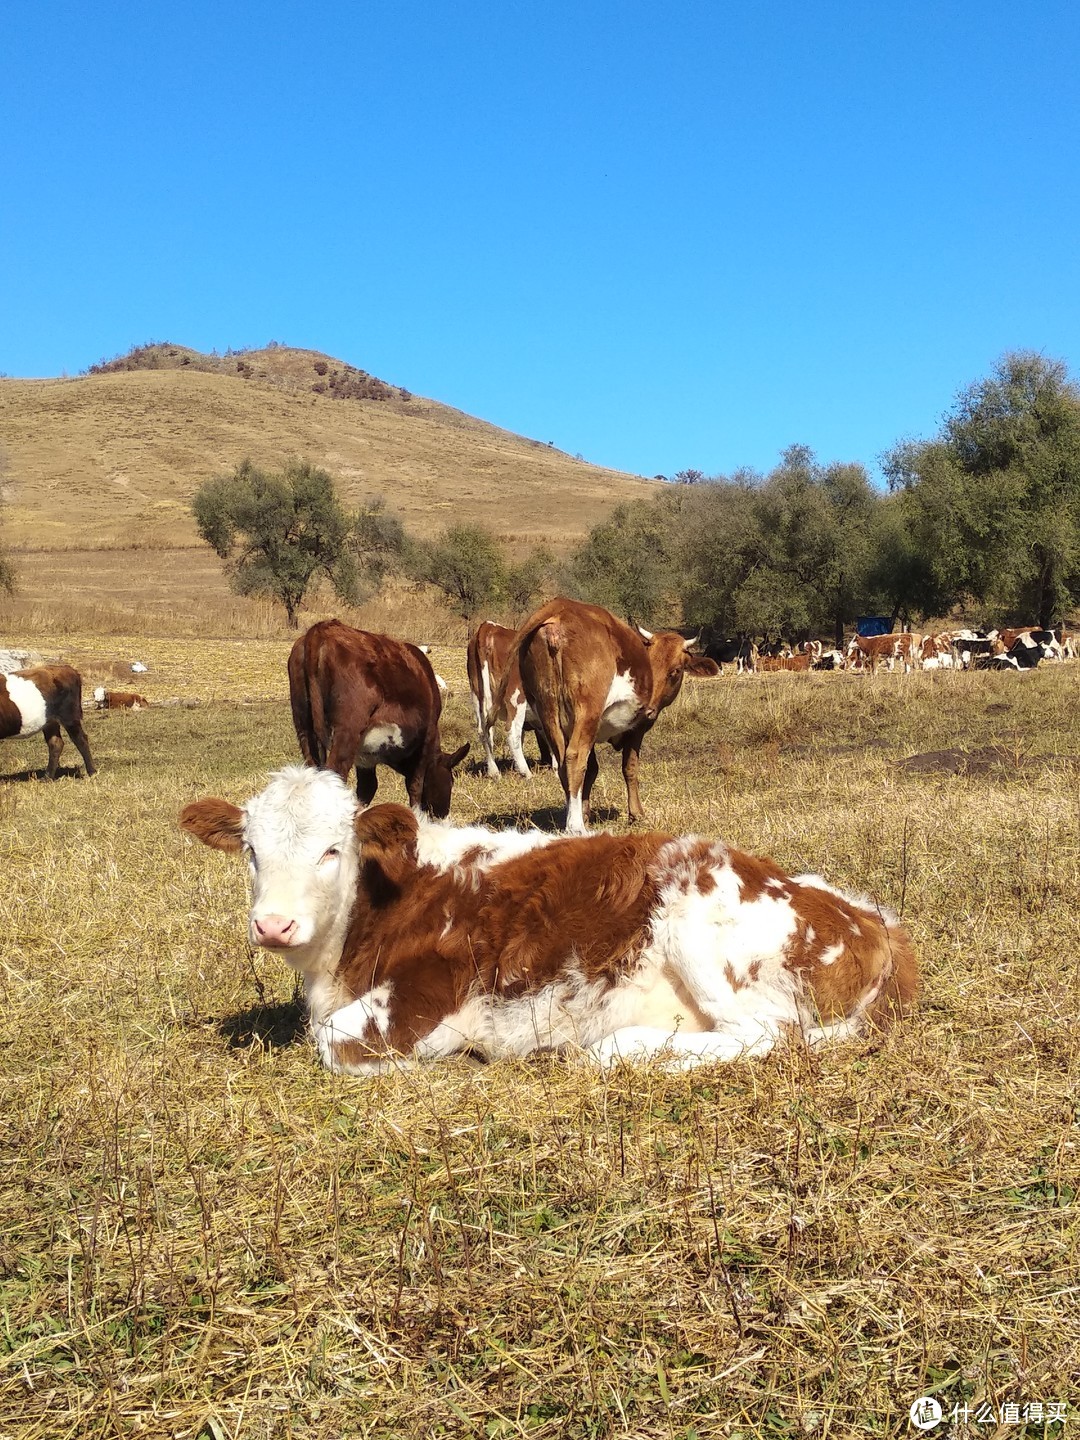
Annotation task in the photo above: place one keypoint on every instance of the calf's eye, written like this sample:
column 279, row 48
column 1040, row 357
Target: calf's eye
column 331, row 854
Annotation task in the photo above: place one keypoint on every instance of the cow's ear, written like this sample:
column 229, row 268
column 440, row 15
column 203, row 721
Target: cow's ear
column 387, row 836
column 216, row 823
column 456, row 758
column 701, row 667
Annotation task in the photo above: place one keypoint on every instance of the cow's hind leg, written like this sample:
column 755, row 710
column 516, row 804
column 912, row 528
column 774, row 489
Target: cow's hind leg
column 82, row 744
column 55, row 742
column 574, row 772
column 514, row 736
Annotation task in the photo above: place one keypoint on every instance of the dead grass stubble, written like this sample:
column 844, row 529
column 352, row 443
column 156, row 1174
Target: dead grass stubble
column 203, row 1234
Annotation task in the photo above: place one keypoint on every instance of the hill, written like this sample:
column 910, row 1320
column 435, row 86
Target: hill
column 111, row 458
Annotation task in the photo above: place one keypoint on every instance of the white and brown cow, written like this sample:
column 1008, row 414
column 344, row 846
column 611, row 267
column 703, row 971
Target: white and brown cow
column 936, row 652
column 45, row 697
column 365, row 699
column 417, row 940
column 588, row 677
column 486, row 658
column 869, row 651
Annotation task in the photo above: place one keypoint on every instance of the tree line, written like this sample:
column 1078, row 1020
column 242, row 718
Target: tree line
column 986, row 515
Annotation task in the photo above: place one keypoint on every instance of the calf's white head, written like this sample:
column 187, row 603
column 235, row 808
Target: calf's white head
column 302, row 852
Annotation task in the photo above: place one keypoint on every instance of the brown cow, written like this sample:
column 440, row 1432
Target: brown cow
column 870, row 650
column 589, row 678
column 485, row 660
column 416, row 941
column 44, row 697
column 770, row 663
column 365, row 700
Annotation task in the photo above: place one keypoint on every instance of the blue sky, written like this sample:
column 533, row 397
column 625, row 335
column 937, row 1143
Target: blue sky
column 658, row 235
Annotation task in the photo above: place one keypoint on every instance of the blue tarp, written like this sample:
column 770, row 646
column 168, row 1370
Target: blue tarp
column 868, row 625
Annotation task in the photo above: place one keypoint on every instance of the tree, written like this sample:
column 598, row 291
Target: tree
column 784, row 555
column 996, row 494
column 278, row 531
column 526, row 581
column 628, row 562
column 466, row 564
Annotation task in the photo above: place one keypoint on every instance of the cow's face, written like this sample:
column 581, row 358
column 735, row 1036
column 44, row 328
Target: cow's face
column 439, row 783
column 301, row 850
column 669, row 656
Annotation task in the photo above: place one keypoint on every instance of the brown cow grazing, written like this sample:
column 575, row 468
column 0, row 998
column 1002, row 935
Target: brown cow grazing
column 417, row 940
column 44, row 697
column 119, row 699
column 588, row 677
column 366, row 700
column 867, row 651
column 485, row 660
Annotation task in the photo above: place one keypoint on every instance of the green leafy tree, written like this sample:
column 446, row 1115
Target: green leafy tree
column 995, row 496
column 527, row 581
column 279, row 531
column 629, row 562
column 784, row 555
column 466, row 564
column 720, row 547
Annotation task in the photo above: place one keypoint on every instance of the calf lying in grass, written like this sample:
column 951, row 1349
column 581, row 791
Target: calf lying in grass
column 416, row 940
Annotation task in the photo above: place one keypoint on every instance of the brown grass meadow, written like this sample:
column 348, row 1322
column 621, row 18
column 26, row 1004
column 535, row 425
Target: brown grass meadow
column 113, row 460
column 204, row 1235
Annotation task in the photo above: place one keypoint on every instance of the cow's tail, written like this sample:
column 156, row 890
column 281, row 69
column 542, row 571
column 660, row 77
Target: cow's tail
column 305, row 697
column 523, row 637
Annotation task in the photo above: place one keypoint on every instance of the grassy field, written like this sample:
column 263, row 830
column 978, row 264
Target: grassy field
column 202, row 1234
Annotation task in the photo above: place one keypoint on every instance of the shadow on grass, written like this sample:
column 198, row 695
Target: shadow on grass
column 65, row 772
column 273, row 1026
column 548, row 817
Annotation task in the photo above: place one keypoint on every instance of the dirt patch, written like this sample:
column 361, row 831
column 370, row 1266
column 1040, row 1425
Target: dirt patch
column 985, row 761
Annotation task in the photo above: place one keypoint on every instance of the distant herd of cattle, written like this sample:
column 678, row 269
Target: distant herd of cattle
column 416, row 939
column 1011, row 649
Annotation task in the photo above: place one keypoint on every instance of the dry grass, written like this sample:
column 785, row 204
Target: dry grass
column 114, row 459
column 204, row 1235
column 163, row 594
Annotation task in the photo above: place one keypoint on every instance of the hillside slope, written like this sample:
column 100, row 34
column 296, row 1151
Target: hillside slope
column 112, row 458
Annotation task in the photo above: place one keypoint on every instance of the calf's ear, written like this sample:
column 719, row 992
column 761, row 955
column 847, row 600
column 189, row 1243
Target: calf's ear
column 457, row 757
column 387, row 836
column 216, row 823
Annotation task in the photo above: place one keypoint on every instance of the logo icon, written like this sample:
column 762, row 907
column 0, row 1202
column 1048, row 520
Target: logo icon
column 926, row 1413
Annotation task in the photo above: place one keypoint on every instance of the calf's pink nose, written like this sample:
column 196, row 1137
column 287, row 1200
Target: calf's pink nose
column 273, row 930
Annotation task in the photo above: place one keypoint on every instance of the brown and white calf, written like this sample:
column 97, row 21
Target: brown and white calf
column 119, row 699
column 486, row 657
column 365, row 700
column 588, row 678
column 417, row 940
column 44, row 697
